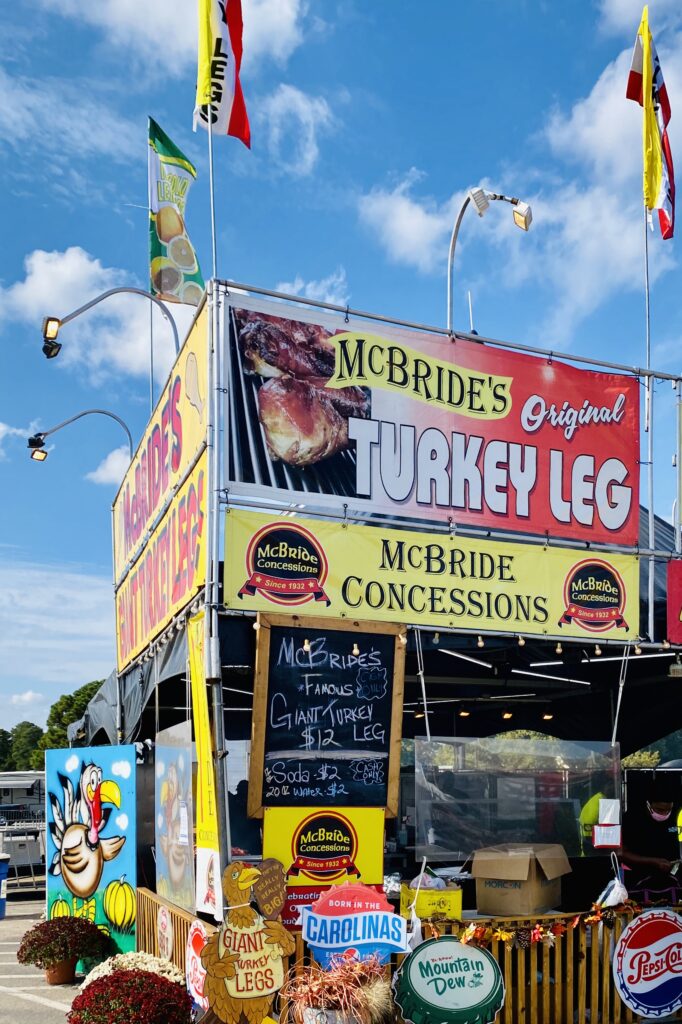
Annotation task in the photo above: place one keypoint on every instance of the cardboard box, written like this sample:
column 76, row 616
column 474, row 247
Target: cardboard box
column 519, row 879
column 445, row 903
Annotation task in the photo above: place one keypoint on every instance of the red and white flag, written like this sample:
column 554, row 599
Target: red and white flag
column 647, row 87
column 219, row 91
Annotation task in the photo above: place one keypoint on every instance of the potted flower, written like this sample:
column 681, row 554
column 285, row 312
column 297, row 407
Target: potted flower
column 350, row 992
column 132, row 997
column 56, row 946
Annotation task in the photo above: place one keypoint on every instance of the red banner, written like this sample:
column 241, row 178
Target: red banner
column 675, row 601
column 413, row 425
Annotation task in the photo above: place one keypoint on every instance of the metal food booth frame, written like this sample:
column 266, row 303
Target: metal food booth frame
column 229, row 468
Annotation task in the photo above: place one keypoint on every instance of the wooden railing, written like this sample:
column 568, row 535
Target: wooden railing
column 568, row 983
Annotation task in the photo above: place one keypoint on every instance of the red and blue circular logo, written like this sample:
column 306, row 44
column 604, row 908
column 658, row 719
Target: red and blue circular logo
column 647, row 964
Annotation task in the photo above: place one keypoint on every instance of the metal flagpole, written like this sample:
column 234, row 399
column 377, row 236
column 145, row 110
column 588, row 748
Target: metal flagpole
column 649, row 428
column 214, row 250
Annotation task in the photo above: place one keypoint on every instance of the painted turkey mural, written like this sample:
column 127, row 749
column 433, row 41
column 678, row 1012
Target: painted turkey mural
column 91, row 838
column 244, row 960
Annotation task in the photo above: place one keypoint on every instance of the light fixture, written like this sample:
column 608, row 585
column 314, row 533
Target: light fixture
column 36, row 446
column 522, row 213
column 419, row 714
column 51, row 347
column 306, row 645
column 522, row 641
column 559, row 648
column 356, row 649
column 666, row 645
column 403, row 639
column 479, row 199
column 480, row 642
column 547, row 717
column 638, row 649
column 436, row 638
column 597, row 650
column 507, row 715
column 256, row 625
column 464, row 713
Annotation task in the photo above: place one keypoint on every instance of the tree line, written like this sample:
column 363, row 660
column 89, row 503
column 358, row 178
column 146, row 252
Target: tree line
column 23, row 747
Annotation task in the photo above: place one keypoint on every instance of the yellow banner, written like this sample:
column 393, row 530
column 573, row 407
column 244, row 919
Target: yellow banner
column 175, row 434
column 326, row 845
column 170, row 570
column 313, row 567
column 368, row 360
column 208, row 891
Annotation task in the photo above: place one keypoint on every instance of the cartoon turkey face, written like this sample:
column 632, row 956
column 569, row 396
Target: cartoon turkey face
column 76, row 830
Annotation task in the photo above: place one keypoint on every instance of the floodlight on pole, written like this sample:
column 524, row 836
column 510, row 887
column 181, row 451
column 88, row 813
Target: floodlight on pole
column 481, row 199
column 36, row 443
column 53, row 324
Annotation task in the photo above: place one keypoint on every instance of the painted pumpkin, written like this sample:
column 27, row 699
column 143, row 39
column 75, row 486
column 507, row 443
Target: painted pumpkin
column 119, row 904
column 60, row 908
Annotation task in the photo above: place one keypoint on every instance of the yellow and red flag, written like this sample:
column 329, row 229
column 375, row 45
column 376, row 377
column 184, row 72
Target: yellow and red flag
column 647, row 87
column 219, row 90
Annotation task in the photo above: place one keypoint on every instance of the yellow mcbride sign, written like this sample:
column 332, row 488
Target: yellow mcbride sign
column 314, row 567
column 175, row 434
column 368, row 360
column 169, row 571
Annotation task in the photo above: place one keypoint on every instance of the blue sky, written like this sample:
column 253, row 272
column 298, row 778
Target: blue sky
column 369, row 122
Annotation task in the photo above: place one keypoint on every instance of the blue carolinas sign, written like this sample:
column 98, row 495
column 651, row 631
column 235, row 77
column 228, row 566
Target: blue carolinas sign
column 353, row 921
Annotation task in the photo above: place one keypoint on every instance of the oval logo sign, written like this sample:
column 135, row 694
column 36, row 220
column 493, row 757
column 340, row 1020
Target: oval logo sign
column 448, row 982
column 286, row 564
column 647, row 964
column 594, row 597
column 324, row 847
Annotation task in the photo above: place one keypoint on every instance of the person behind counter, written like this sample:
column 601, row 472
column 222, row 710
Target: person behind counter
column 651, row 842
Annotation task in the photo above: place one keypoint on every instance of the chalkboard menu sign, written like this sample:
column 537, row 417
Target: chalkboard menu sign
column 327, row 715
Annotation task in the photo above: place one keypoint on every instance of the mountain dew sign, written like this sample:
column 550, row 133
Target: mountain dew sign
column 175, row 275
column 446, row 982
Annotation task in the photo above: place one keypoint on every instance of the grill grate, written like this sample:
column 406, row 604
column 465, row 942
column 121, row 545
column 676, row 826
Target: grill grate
column 250, row 461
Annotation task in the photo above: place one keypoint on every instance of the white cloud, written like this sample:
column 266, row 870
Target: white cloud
column 585, row 246
column 164, row 32
column 110, row 339
column 333, row 288
column 623, row 16
column 63, row 120
column 111, row 469
column 121, row 768
column 294, row 120
column 26, row 698
column 6, row 431
column 412, row 231
column 56, row 627
column 72, row 763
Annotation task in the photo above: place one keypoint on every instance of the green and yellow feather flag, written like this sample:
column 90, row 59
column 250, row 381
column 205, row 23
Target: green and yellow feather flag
column 174, row 271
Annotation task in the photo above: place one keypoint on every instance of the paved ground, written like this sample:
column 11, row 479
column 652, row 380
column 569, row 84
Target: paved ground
column 24, row 994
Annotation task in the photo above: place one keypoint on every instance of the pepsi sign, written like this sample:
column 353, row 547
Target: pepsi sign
column 647, row 964
column 353, row 921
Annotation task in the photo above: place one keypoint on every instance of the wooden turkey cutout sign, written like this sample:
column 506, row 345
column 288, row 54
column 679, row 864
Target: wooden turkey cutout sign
column 245, row 961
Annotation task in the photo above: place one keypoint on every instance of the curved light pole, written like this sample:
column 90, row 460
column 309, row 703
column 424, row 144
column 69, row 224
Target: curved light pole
column 481, row 198
column 36, row 443
column 52, row 325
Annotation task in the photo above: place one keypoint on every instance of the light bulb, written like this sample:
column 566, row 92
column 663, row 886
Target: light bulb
column 506, row 715
column 480, row 642
column 403, row 639
column 597, row 650
column 306, row 646
column 256, row 626
column 548, row 716
column 559, row 648
column 638, row 649
column 666, row 645
column 436, row 638
column 356, row 649
column 521, row 641
column 464, row 714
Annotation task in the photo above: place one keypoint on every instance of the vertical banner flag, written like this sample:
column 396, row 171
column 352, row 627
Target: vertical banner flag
column 647, row 87
column 219, row 90
column 174, row 269
column 208, row 892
